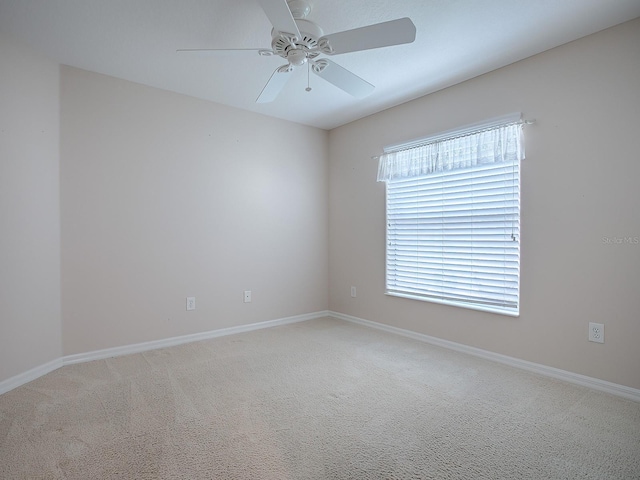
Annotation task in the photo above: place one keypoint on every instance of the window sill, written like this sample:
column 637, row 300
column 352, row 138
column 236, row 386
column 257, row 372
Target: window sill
column 469, row 306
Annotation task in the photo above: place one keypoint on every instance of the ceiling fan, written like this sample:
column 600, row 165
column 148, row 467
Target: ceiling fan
column 300, row 41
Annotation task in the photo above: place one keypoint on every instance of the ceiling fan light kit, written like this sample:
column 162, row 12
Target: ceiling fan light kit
column 300, row 41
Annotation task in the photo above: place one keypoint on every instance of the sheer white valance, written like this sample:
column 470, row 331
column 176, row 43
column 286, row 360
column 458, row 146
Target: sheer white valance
column 497, row 144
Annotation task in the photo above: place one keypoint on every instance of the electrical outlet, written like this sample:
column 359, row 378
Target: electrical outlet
column 596, row 332
column 191, row 303
column 247, row 296
column 353, row 292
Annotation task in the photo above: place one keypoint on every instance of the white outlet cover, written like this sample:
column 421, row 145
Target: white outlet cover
column 247, row 296
column 596, row 332
column 191, row 303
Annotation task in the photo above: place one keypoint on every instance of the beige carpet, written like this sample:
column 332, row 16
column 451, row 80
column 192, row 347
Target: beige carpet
column 322, row 399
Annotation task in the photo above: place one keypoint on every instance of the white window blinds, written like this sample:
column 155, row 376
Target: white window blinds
column 453, row 220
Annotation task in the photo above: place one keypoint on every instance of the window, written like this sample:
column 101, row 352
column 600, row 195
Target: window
column 453, row 219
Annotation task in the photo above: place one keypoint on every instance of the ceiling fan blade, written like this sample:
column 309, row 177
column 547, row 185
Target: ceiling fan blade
column 342, row 78
column 207, row 52
column 275, row 84
column 280, row 16
column 394, row 32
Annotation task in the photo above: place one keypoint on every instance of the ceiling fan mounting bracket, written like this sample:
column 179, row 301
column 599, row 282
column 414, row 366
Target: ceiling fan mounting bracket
column 319, row 65
column 285, row 68
column 325, row 47
column 300, row 8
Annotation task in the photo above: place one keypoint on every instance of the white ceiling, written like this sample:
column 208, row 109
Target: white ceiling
column 456, row 40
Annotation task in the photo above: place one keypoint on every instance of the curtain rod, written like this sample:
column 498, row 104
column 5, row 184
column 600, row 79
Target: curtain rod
column 454, row 137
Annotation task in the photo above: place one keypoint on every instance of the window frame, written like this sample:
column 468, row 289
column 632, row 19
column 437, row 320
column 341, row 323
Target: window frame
column 468, row 130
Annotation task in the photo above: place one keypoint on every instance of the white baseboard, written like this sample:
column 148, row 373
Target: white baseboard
column 41, row 370
column 575, row 378
column 173, row 341
column 29, row 375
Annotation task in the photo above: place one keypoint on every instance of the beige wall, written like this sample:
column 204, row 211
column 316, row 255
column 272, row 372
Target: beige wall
column 166, row 196
column 29, row 210
column 579, row 185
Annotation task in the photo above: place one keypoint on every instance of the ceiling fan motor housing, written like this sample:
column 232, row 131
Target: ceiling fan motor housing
column 297, row 50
